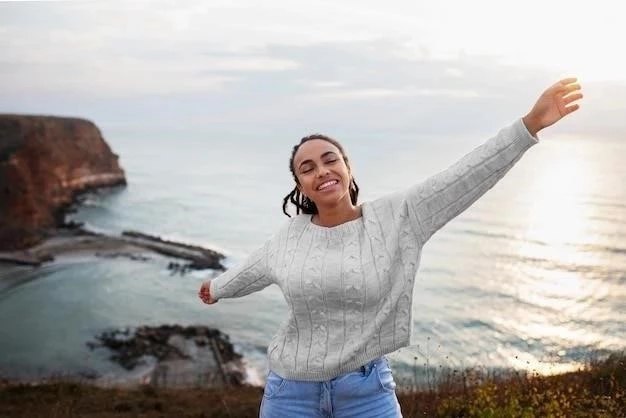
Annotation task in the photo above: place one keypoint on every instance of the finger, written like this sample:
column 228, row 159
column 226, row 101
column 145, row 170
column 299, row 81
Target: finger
column 571, row 87
column 572, row 108
column 561, row 83
column 566, row 81
column 572, row 97
column 567, row 89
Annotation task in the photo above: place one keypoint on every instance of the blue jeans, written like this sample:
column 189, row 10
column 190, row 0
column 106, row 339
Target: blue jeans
column 369, row 392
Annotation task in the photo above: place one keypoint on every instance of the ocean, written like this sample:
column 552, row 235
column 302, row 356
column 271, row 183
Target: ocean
column 531, row 277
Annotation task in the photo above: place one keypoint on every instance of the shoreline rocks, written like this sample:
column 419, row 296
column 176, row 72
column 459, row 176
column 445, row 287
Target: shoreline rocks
column 131, row 244
column 186, row 355
column 200, row 257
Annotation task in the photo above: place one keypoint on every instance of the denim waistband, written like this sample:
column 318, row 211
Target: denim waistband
column 367, row 368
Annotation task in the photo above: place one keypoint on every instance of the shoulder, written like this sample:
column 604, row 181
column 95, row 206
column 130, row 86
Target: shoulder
column 386, row 204
column 289, row 226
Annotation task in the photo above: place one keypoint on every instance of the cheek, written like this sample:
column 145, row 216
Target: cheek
column 306, row 186
column 345, row 174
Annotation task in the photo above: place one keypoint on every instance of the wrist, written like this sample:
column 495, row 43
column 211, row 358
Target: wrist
column 532, row 125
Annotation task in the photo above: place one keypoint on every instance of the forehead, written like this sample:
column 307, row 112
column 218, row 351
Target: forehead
column 313, row 149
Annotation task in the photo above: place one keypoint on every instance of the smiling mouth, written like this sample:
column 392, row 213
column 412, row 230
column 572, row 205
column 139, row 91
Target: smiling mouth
column 327, row 184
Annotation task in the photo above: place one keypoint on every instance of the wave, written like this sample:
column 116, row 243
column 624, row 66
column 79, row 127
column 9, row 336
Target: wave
column 600, row 248
column 501, row 297
column 587, row 247
column 485, row 234
column 14, row 277
column 604, row 204
column 600, row 271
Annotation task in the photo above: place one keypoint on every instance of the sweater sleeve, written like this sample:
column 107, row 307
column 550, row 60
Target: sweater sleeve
column 434, row 202
column 250, row 276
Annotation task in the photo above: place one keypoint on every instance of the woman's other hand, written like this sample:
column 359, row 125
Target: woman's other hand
column 205, row 293
column 553, row 104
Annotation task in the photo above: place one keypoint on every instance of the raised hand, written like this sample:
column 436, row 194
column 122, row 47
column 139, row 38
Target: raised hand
column 205, row 294
column 553, row 104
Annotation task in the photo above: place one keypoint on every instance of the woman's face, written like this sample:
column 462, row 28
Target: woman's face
column 322, row 173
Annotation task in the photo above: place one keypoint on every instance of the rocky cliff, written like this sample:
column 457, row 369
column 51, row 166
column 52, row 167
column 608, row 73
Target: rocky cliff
column 44, row 162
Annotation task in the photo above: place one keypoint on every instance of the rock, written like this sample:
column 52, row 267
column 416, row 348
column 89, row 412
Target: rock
column 199, row 257
column 45, row 162
column 205, row 352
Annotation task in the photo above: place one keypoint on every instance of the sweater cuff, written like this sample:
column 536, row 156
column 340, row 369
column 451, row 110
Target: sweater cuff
column 213, row 290
column 522, row 132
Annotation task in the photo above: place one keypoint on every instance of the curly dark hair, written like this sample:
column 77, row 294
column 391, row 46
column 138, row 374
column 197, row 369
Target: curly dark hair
column 303, row 203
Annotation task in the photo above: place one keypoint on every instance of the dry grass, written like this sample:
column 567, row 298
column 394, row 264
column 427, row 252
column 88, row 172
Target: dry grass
column 78, row 400
column 599, row 390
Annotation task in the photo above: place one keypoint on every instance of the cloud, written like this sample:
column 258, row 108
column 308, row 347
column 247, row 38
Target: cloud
column 247, row 67
column 376, row 93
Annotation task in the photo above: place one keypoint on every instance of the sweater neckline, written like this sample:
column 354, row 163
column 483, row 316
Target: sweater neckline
column 353, row 225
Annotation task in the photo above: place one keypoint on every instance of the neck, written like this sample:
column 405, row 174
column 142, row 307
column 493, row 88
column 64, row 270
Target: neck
column 330, row 216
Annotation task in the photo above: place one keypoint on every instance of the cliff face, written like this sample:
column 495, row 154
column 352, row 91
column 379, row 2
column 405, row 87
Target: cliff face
column 44, row 162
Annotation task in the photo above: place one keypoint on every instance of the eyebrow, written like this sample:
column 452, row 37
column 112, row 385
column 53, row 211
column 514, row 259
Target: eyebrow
column 322, row 156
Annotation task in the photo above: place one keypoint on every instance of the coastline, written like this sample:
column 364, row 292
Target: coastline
column 48, row 165
column 74, row 240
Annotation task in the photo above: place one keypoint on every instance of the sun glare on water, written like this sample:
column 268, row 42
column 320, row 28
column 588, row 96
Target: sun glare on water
column 555, row 279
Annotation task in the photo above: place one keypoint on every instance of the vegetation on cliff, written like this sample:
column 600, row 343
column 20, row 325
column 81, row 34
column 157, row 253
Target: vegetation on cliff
column 598, row 390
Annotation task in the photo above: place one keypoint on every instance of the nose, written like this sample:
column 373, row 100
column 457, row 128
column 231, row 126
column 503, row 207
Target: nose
column 322, row 171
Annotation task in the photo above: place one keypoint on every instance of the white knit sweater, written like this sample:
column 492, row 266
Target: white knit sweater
column 349, row 288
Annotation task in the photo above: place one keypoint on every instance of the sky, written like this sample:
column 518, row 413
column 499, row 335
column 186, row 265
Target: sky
column 352, row 67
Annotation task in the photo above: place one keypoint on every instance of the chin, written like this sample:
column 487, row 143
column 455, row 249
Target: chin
column 332, row 199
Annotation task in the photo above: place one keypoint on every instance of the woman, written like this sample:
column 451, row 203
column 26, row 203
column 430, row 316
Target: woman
column 347, row 270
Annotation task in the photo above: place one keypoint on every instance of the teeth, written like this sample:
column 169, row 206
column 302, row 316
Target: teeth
column 327, row 184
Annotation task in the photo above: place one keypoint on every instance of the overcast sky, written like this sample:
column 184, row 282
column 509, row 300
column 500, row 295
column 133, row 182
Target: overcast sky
column 291, row 66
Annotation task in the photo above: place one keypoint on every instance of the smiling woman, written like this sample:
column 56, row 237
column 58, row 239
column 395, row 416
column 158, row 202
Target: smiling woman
column 347, row 271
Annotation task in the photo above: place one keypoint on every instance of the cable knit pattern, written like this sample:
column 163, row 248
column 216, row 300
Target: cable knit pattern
column 349, row 288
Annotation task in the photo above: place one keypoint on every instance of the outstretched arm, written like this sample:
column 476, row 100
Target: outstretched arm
column 250, row 276
column 434, row 202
